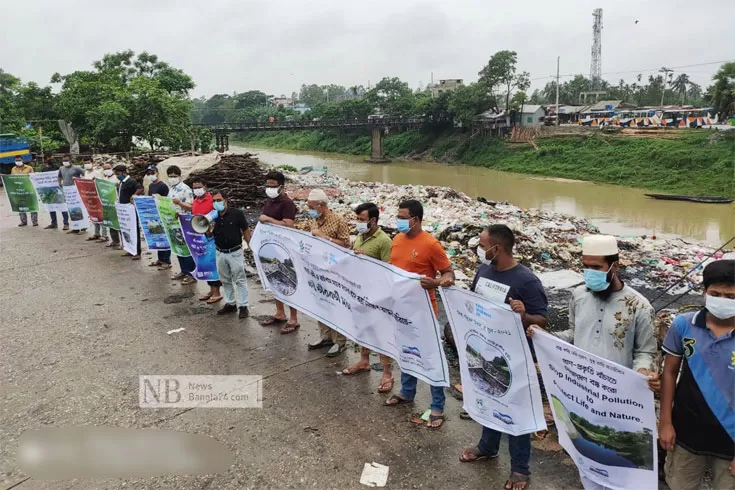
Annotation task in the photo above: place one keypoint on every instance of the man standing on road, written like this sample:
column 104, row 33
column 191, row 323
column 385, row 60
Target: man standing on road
column 416, row 250
column 502, row 279
column 67, row 172
column 90, row 174
column 109, row 175
column 229, row 230
column 180, row 193
column 280, row 210
column 157, row 188
column 21, row 168
column 335, row 230
column 373, row 242
column 128, row 189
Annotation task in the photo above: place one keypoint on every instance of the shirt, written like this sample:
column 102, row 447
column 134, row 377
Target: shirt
column 704, row 401
column 378, row 245
column 90, row 174
column 280, row 208
column 333, row 226
column 183, row 193
column 67, row 175
column 202, row 205
column 422, row 254
column 158, row 188
column 522, row 284
column 127, row 189
column 25, row 169
column 619, row 329
column 228, row 228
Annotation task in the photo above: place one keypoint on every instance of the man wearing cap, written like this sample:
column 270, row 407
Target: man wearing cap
column 157, row 188
column 335, row 230
column 21, row 168
column 609, row 318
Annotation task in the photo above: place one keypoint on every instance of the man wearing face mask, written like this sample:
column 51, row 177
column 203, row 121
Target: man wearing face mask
column 279, row 210
column 157, row 188
column 90, row 174
column 334, row 229
column 109, row 175
column 67, row 172
column 21, row 168
column 698, row 406
column 180, row 193
column 373, row 242
column 128, row 189
column 502, row 279
column 416, row 250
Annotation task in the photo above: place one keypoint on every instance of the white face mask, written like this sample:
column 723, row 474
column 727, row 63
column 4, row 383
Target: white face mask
column 150, row 178
column 482, row 253
column 67, row 164
column 88, row 166
column 722, row 308
column 20, row 163
column 272, row 192
column 199, row 192
column 107, row 172
column 174, row 180
column 362, row 227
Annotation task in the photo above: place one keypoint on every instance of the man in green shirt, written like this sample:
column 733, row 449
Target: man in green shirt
column 373, row 242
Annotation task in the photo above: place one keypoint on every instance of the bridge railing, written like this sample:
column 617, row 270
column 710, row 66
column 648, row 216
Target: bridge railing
column 327, row 123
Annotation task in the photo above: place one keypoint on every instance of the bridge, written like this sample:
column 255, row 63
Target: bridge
column 379, row 126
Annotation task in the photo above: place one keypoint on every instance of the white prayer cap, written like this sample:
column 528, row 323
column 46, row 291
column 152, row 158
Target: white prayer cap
column 599, row 245
column 318, row 195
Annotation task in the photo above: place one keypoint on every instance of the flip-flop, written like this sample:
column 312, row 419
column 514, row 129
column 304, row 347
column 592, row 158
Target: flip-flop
column 214, row 299
column 475, row 451
column 433, row 418
column 290, row 328
column 135, row 257
column 205, row 297
column 464, row 415
column 396, row 400
column 157, row 263
column 271, row 321
column 93, row 238
column 386, row 387
column 351, row 372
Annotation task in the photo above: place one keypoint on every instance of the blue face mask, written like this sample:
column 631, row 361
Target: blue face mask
column 596, row 280
column 219, row 205
column 314, row 213
column 403, row 225
column 120, row 178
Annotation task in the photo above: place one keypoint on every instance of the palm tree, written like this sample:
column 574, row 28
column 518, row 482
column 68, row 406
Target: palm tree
column 680, row 85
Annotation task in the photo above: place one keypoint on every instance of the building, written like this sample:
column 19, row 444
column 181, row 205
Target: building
column 532, row 115
column 300, row 107
column 446, row 86
column 282, row 101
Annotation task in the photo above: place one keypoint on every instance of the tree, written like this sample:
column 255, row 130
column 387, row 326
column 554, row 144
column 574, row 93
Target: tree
column 500, row 74
column 392, row 96
column 722, row 92
column 250, row 99
column 680, row 85
column 467, row 101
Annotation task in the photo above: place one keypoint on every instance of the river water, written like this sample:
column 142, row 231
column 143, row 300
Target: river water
column 614, row 209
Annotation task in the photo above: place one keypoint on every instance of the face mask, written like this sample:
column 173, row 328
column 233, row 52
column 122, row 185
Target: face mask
column 174, row 180
column 88, row 166
column 107, row 172
column 314, row 213
column 403, row 225
column 199, row 192
column 20, row 163
column 219, row 206
column 596, row 280
column 362, row 227
column 67, row 164
column 722, row 308
column 272, row 192
column 121, row 177
column 150, row 178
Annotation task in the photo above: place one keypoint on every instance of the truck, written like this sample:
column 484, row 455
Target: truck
column 10, row 147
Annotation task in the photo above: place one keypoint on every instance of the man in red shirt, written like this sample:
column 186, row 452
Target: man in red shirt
column 201, row 205
column 416, row 250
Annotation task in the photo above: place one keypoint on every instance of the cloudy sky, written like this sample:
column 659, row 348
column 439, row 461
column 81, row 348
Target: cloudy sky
column 276, row 45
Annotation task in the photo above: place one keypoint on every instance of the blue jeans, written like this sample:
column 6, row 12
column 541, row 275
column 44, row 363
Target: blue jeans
column 408, row 391
column 64, row 215
column 164, row 256
column 187, row 265
column 231, row 269
column 519, row 446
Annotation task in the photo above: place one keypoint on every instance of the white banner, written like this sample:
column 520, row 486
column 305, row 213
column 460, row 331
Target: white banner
column 604, row 413
column 128, row 227
column 78, row 215
column 500, row 385
column 373, row 303
column 48, row 190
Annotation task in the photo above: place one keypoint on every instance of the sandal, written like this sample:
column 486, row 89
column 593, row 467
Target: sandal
column 433, row 418
column 515, row 479
column 386, row 386
column 464, row 415
column 472, row 454
column 164, row 267
column 396, row 400
column 92, row 238
column 102, row 239
column 135, row 257
column 540, row 435
column 214, row 299
column 157, row 263
column 203, row 297
column 456, row 393
column 290, row 328
column 352, row 370
column 188, row 280
column 271, row 321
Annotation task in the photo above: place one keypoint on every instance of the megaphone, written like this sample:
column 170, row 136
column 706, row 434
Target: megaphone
column 200, row 222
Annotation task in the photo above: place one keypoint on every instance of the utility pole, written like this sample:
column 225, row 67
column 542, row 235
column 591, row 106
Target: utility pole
column 557, row 90
column 666, row 72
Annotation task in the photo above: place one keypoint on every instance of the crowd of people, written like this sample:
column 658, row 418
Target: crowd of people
column 607, row 317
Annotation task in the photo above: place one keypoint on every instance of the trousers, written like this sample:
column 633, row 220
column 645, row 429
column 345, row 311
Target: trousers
column 231, row 269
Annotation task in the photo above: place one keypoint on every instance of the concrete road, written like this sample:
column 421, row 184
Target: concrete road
column 80, row 323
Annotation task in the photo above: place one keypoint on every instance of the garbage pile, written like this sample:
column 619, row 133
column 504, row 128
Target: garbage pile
column 240, row 176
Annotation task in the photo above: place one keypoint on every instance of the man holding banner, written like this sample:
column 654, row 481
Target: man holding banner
column 21, row 168
column 66, row 175
column 415, row 250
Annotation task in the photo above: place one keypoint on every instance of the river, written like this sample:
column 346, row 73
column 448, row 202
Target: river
column 617, row 210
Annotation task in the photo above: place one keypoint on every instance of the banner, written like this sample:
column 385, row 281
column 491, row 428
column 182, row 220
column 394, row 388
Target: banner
column 88, row 194
column 170, row 222
column 604, row 413
column 202, row 250
column 107, row 192
column 48, row 190
column 128, row 227
column 77, row 212
column 389, row 313
column 21, row 196
column 150, row 222
column 500, row 385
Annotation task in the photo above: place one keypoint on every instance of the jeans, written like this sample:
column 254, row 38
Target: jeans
column 519, row 446
column 231, row 269
column 100, row 229
column 115, row 235
column 187, row 265
column 24, row 217
column 164, row 256
column 408, row 391
column 64, row 215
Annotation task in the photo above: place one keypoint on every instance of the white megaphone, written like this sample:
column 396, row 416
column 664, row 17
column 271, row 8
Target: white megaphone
column 200, row 222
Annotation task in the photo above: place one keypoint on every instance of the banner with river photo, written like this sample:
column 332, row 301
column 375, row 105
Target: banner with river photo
column 128, row 227
column 171, row 225
column 604, row 413
column 48, row 190
column 150, row 222
column 20, row 192
column 78, row 216
column 388, row 312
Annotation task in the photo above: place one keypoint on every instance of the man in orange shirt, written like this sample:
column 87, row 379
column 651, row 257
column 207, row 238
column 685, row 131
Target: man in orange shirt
column 416, row 250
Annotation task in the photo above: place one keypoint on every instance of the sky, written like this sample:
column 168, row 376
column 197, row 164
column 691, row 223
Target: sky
column 277, row 45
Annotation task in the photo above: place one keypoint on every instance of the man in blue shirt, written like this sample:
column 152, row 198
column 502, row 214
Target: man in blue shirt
column 699, row 430
column 502, row 279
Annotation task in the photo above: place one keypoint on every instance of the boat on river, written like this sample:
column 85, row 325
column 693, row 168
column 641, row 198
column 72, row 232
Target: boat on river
column 704, row 199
